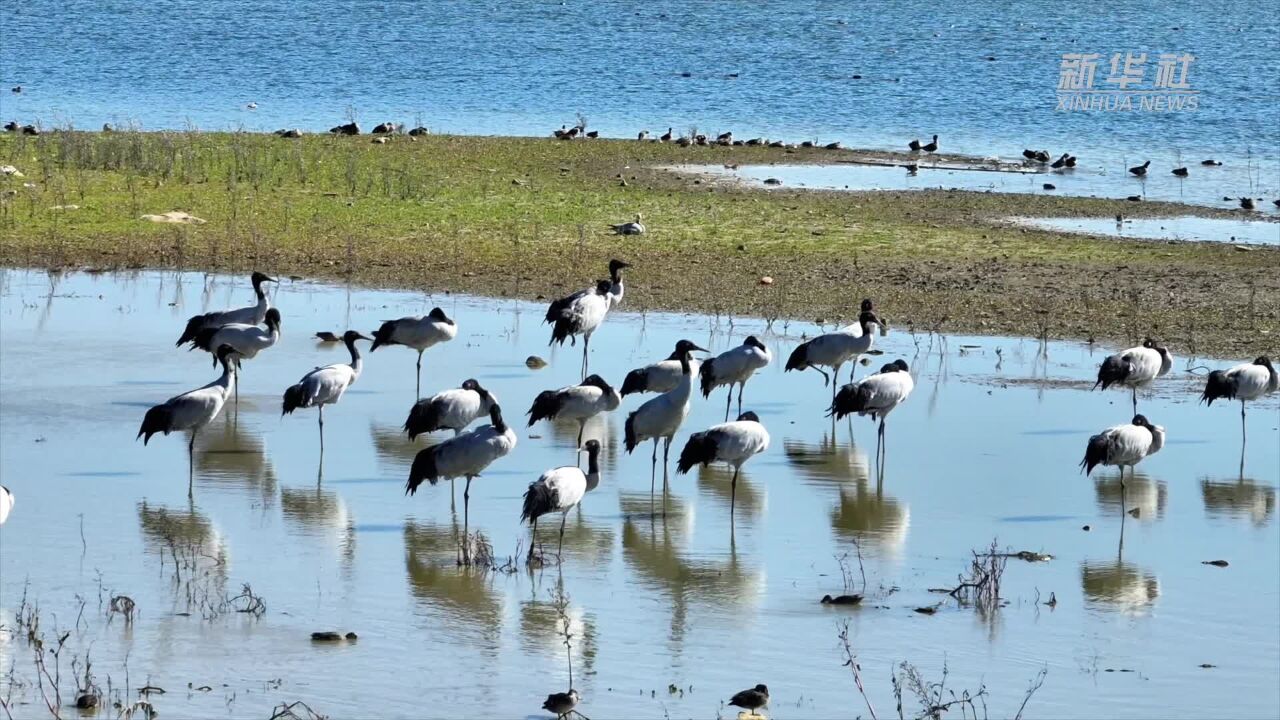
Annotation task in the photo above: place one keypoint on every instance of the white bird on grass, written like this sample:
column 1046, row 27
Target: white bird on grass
column 581, row 314
column 252, row 315
column 560, row 490
column 1249, row 381
column 576, row 402
column 465, row 455
column 635, row 227
column 325, row 385
column 419, row 333
column 1121, row 446
column 452, row 409
column 661, row 417
column 191, row 411
column 732, row 442
column 834, row 349
column 875, row 395
column 1135, row 368
column 734, row 366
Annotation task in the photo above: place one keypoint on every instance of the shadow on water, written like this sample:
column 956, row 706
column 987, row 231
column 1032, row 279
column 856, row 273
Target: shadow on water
column 1238, row 499
column 461, row 601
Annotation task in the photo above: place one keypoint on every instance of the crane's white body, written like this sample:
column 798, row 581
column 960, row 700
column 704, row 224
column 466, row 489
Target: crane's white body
column 1144, row 364
column 252, row 315
column 587, row 312
column 422, row 332
column 886, row 391
column 738, row 441
column 457, row 408
column 325, row 385
column 6, row 503
column 1252, row 381
column 734, row 366
column 583, row 402
column 834, row 349
column 197, row 408
column 468, row 454
column 1127, row 445
column 568, row 484
column 662, row 416
column 246, row 340
column 664, row 376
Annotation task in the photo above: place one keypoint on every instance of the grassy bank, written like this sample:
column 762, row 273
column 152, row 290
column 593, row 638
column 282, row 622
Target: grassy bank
column 529, row 217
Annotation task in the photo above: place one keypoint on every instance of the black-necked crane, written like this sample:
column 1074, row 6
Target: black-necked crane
column 582, row 314
column 191, row 411
column 251, row 315
column 751, row 700
column 1121, row 446
column 557, row 307
column 325, row 385
column 1140, row 170
column 1135, row 368
column 661, row 417
column 577, row 402
column 417, row 332
column 734, row 367
column 560, row 490
column 465, row 455
column 246, row 340
column 452, row 409
column 616, row 290
column 733, row 442
column 875, row 395
column 834, row 349
column 662, row 376
column 6, row 503
column 1245, row 382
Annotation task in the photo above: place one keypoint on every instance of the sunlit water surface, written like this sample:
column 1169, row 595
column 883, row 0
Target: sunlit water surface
column 986, row 448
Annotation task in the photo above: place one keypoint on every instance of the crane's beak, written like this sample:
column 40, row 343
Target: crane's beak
column 362, row 336
column 700, row 349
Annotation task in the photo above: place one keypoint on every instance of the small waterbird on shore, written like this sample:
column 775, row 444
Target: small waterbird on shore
column 252, row 315
column 932, row 147
column 662, row 376
column 635, row 227
column 834, row 349
column 327, row 337
column 1246, row 203
column 1135, row 368
column 734, row 366
column 751, row 700
column 325, row 385
column 191, row 411
column 465, row 455
column 1245, row 382
column 1061, row 162
column 562, row 704
column 875, row 395
column 560, row 490
column 1140, row 170
column 452, row 409
column 1121, row 446
column 577, row 402
column 666, row 136
column 580, row 314
column 417, row 332
column 661, row 417
column 1211, row 163
column 642, row 135
column 246, row 340
column 732, row 442
column 914, row 145
column 1181, row 172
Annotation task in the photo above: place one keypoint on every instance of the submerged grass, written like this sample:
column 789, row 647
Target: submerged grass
column 529, row 217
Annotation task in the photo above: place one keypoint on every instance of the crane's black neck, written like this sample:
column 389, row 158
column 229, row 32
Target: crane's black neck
column 593, row 461
column 684, row 363
column 351, row 348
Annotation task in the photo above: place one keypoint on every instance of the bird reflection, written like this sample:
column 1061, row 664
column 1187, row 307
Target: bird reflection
column 193, row 535
column 717, row 481
column 1238, row 499
column 230, row 451
column 394, row 449
column 598, row 427
column 584, row 541
column 542, row 631
column 463, row 595
column 1141, row 493
column 320, row 513
column 828, row 462
column 1117, row 585
column 650, row 546
column 871, row 517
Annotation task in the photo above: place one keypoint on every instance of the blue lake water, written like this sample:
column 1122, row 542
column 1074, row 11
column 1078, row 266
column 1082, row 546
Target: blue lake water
column 984, row 78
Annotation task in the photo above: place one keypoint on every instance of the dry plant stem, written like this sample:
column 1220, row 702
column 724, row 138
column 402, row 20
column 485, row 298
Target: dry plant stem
column 851, row 662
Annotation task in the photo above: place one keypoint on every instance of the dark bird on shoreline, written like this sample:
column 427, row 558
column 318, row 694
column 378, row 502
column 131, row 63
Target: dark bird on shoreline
column 1181, row 172
column 751, row 700
column 932, row 146
column 1060, row 162
column 1211, row 163
column 1246, row 203
column 350, row 128
column 666, row 137
column 914, row 145
column 562, row 704
column 1140, row 170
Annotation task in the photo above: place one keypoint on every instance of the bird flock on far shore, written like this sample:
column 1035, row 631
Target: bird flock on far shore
column 240, row 334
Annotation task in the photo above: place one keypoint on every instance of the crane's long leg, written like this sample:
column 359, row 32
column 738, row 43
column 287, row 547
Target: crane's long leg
column 466, row 519
column 533, row 538
column 666, row 455
column 322, row 431
column 1135, row 400
column 727, row 402
column 741, row 386
column 191, row 465
column 1244, row 437
column 586, row 345
column 653, row 467
column 560, row 547
column 825, row 378
column 733, row 492
column 1123, row 509
column 582, row 427
column 418, row 388
column 835, row 383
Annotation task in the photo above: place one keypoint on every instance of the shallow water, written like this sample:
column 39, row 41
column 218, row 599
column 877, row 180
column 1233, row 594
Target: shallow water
column 985, row 79
column 1187, row 227
column 986, row 447
column 1207, row 188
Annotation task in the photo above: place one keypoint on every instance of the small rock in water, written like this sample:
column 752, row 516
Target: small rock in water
column 533, row 362
column 1216, row 563
column 1207, row 665
column 1086, row 528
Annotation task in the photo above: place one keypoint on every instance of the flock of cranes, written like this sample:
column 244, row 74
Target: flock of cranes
column 232, row 336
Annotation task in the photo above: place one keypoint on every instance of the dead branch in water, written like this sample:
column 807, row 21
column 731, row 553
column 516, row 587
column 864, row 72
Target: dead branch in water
column 296, row 710
column 851, row 662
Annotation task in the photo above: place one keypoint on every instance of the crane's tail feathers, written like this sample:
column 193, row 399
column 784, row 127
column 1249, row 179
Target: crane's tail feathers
column 1218, row 386
column 707, row 377
column 799, row 359
column 204, row 340
column 629, row 433
column 382, row 336
column 1095, row 454
column 194, row 326
column 849, row 400
column 293, row 399
column 424, row 417
column 158, row 419
column 424, row 468
column 562, row 329
column 634, row 382
column 1113, row 370
column 555, row 309
column 545, row 407
column 699, row 450
column 539, row 500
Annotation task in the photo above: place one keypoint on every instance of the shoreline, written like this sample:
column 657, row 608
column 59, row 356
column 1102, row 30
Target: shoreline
column 527, row 218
